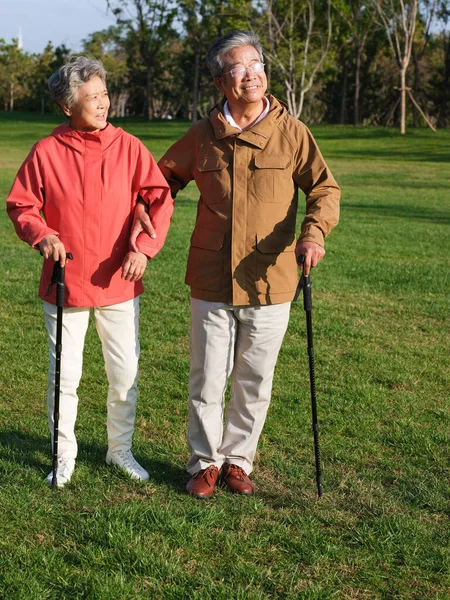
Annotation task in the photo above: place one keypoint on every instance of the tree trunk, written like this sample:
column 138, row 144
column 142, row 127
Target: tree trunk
column 11, row 97
column 445, row 86
column 270, row 42
column 343, row 111
column 402, row 100
column 195, row 86
column 358, row 51
column 416, row 86
column 149, row 93
column 123, row 103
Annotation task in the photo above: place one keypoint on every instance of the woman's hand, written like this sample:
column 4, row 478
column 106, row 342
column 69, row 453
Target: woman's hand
column 52, row 247
column 133, row 266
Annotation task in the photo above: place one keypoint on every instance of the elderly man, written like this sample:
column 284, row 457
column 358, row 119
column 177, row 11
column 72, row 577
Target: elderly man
column 85, row 179
column 248, row 159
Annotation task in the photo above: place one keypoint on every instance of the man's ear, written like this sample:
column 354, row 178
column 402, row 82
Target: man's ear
column 219, row 83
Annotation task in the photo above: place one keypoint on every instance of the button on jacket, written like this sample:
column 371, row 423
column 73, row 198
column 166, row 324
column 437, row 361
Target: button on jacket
column 86, row 186
column 242, row 247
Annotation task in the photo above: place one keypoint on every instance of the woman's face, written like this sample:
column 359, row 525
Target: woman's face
column 90, row 110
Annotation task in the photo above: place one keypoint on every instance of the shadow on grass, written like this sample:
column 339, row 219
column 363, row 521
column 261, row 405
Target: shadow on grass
column 24, row 449
column 27, row 450
column 402, row 211
column 390, row 154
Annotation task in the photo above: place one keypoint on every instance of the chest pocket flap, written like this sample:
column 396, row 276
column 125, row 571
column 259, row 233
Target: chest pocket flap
column 272, row 162
column 207, row 239
column 212, row 163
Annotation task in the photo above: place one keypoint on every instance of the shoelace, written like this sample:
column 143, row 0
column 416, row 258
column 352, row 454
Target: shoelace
column 129, row 461
column 208, row 474
column 237, row 472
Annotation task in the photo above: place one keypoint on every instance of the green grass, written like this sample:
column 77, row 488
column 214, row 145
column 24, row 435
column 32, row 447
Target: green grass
column 381, row 327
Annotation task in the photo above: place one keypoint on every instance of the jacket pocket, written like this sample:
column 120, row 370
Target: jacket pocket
column 213, row 179
column 205, row 262
column 276, row 269
column 272, row 178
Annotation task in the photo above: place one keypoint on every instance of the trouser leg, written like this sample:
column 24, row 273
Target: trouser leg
column 118, row 329
column 74, row 326
column 260, row 333
column 213, row 330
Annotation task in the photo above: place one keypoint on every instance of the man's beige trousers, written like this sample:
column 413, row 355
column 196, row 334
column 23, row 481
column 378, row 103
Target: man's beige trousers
column 241, row 341
column 118, row 328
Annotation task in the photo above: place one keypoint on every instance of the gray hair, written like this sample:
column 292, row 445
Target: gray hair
column 66, row 81
column 216, row 53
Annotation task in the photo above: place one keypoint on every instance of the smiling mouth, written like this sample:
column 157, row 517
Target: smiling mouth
column 250, row 88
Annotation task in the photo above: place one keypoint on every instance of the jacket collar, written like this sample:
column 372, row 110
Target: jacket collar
column 77, row 139
column 259, row 134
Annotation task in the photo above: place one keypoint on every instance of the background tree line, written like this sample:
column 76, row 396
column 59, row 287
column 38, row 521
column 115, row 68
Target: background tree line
column 372, row 62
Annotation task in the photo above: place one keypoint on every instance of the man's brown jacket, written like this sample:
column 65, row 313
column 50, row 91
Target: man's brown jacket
column 242, row 247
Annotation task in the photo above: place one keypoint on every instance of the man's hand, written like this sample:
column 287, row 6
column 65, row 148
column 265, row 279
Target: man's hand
column 52, row 247
column 141, row 222
column 313, row 254
column 133, row 266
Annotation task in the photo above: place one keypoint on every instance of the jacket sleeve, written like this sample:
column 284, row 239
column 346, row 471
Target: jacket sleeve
column 154, row 190
column 314, row 178
column 26, row 201
column 177, row 163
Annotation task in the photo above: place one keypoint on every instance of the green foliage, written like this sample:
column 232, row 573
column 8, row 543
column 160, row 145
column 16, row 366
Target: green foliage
column 381, row 321
column 337, row 70
column 15, row 68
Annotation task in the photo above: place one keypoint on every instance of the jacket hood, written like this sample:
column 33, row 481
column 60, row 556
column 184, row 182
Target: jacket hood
column 260, row 132
column 76, row 139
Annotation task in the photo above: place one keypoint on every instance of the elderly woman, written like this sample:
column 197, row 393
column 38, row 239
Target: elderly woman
column 249, row 158
column 85, row 179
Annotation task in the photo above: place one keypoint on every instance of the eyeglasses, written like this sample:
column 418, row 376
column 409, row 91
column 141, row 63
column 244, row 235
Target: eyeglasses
column 239, row 72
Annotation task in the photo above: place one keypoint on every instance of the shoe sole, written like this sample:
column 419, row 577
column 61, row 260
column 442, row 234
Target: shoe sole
column 199, row 497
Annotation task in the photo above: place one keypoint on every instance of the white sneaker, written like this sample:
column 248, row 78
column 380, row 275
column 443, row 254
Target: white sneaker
column 125, row 460
column 64, row 470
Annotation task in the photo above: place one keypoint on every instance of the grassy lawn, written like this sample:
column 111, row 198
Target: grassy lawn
column 381, row 319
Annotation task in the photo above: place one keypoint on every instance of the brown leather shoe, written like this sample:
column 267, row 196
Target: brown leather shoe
column 236, row 480
column 203, row 483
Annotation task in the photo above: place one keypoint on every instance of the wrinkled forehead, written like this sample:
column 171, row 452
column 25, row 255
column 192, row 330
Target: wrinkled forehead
column 243, row 55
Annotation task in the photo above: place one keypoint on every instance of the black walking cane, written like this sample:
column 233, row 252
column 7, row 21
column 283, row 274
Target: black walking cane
column 58, row 279
column 305, row 285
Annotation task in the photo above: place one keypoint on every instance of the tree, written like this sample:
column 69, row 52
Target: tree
column 15, row 70
column 299, row 41
column 44, row 66
column 426, row 17
column 399, row 20
column 358, row 16
column 443, row 79
column 148, row 28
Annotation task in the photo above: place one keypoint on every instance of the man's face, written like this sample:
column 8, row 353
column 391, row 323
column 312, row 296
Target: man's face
column 90, row 110
column 242, row 89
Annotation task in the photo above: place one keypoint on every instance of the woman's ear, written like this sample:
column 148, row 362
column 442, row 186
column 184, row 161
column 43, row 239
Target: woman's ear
column 66, row 110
